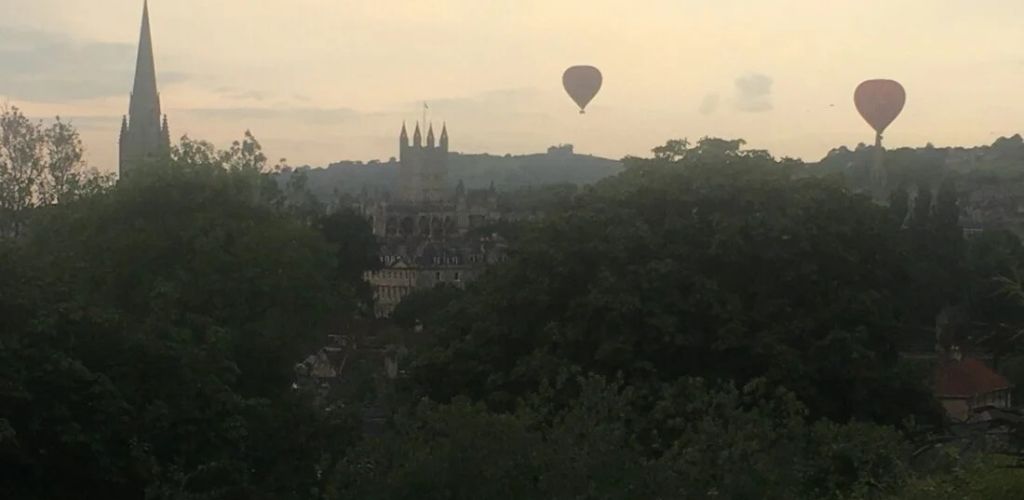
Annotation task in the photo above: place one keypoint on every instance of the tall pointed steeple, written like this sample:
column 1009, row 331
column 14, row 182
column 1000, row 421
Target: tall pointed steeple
column 444, row 136
column 145, row 101
column 430, row 136
column 146, row 136
column 417, row 138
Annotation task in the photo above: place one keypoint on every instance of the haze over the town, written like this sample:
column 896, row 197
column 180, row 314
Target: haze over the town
column 324, row 80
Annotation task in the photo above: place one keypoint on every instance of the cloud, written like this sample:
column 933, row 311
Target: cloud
column 82, row 122
column 242, row 94
column 709, row 104
column 303, row 114
column 753, row 93
column 41, row 66
column 515, row 99
column 500, row 106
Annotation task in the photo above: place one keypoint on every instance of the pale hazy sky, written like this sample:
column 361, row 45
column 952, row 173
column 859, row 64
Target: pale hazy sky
column 324, row 80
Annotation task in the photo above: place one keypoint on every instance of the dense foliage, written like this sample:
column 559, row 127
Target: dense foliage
column 721, row 267
column 728, row 442
column 150, row 333
column 39, row 165
column 475, row 171
column 710, row 323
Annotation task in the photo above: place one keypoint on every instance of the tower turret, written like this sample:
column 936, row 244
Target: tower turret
column 430, row 136
column 403, row 138
column 417, row 139
column 444, row 137
column 165, row 135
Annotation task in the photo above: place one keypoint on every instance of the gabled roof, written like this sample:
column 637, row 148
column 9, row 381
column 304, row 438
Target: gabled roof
column 967, row 378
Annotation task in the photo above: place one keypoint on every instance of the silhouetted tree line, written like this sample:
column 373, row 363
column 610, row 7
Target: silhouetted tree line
column 707, row 324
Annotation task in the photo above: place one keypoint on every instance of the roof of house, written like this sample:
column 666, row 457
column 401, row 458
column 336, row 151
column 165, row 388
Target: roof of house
column 967, row 378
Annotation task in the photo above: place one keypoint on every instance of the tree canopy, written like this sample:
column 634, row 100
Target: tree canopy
column 151, row 332
column 710, row 323
column 720, row 266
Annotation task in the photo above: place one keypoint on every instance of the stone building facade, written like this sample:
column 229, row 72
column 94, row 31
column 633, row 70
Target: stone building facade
column 429, row 235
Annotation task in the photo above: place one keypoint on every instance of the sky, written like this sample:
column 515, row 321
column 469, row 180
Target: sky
column 319, row 81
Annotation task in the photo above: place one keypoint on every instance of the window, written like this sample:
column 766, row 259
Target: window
column 437, row 276
column 458, row 276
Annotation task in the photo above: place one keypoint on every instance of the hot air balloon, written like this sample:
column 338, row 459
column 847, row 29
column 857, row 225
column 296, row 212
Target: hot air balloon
column 582, row 83
column 879, row 102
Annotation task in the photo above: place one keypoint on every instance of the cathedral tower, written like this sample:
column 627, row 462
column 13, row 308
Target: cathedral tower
column 423, row 171
column 143, row 135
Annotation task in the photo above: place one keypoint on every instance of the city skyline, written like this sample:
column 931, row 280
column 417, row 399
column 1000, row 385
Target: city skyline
column 340, row 81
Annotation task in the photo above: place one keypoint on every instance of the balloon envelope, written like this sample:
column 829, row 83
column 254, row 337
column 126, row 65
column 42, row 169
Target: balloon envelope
column 582, row 83
column 879, row 102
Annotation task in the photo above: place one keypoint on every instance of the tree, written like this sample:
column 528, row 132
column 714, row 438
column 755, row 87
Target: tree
column 21, row 166
column 935, row 245
column 424, row 307
column 707, row 149
column 719, row 441
column 899, row 204
column 947, row 207
column 922, row 216
column 64, row 154
column 150, row 334
column 980, row 478
column 356, row 252
column 725, row 269
column 673, row 150
column 39, row 166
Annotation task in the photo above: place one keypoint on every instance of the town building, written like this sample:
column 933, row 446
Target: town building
column 429, row 235
column 966, row 386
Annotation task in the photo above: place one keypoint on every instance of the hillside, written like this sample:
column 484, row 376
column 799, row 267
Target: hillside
column 560, row 165
column 989, row 179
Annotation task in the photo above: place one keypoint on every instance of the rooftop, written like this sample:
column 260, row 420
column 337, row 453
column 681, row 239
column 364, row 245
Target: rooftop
column 967, row 378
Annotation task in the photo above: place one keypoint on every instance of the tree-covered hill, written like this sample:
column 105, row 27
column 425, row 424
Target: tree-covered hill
column 989, row 179
column 560, row 165
column 707, row 323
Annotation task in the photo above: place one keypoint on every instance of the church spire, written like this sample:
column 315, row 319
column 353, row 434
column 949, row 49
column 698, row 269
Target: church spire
column 145, row 101
column 417, row 138
column 430, row 136
column 444, row 136
column 144, row 136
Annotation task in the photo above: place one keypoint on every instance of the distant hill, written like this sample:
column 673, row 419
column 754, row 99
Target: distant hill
column 560, row 165
column 1003, row 159
column 989, row 179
